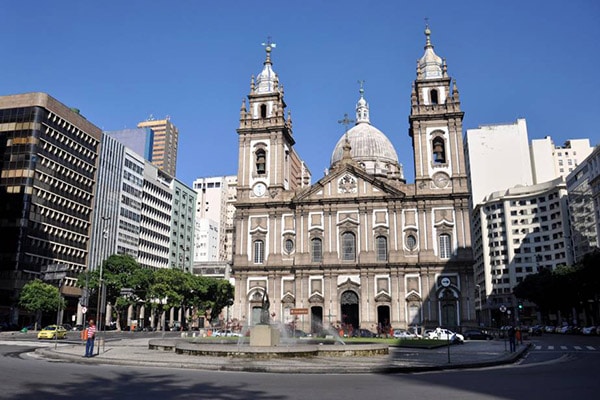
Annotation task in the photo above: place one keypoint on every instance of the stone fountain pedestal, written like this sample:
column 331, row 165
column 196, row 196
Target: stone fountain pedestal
column 264, row 336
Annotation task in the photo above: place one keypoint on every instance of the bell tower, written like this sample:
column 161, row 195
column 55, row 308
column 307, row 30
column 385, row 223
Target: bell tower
column 436, row 126
column 267, row 162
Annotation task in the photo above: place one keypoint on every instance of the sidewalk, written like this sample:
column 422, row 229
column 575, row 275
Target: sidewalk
column 135, row 352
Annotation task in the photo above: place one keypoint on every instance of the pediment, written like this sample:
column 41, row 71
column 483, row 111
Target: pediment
column 383, row 297
column 348, row 183
column 316, row 298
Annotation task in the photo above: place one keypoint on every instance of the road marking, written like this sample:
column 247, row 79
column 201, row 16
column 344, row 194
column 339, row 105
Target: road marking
column 550, row 347
column 590, row 347
column 563, row 347
column 577, row 347
column 538, row 347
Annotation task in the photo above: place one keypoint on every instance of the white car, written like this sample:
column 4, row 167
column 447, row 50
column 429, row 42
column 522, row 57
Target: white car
column 445, row 334
column 225, row 333
column 403, row 334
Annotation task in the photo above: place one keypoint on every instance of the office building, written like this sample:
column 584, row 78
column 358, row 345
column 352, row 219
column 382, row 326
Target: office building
column 49, row 157
column 164, row 145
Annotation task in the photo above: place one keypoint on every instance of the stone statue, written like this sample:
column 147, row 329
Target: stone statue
column 265, row 318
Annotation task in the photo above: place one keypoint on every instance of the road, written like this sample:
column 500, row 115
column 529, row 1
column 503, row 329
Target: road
column 555, row 369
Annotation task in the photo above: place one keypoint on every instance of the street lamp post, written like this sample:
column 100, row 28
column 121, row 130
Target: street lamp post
column 101, row 289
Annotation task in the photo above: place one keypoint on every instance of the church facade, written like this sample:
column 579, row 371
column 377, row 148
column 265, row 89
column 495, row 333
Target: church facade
column 360, row 248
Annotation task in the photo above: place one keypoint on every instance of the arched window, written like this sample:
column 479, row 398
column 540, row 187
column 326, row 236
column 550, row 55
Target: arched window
column 381, row 245
column 259, row 252
column 316, row 250
column 411, row 242
column 439, row 150
column 433, row 94
column 263, row 111
column 445, row 249
column 261, row 161
column 348, row 246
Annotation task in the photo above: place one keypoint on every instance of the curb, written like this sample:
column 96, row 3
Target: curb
column 276, row 367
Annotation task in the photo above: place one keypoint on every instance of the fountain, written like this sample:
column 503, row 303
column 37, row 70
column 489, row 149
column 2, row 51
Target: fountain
column 265, row 340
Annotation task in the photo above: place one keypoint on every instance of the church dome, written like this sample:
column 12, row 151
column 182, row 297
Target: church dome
column 369, row 147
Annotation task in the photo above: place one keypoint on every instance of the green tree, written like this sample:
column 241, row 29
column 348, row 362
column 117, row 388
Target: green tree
column 38, row 297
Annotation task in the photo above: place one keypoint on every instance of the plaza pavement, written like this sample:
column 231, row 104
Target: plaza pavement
column 132, row 351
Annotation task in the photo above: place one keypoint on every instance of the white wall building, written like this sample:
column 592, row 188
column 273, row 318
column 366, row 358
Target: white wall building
column 497, row 158
column 584, row 209
column 214, row 209
column 517, row 232
column 549, row 161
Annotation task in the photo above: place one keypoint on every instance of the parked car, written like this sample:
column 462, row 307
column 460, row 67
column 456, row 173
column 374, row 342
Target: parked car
column 53, row 331
column 445, row 334
column 588, row 330
column 363, row 333
column 297, row 333
column 403, row 334
column 477, row 334
column 536, row 330
column 225, row 333
column 549, row 328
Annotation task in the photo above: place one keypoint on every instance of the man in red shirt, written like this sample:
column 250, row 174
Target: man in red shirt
column 89, row 342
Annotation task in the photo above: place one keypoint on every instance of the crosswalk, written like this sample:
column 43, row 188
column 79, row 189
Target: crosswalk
column 566, row 348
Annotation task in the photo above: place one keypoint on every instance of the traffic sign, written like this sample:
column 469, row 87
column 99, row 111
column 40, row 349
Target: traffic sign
column 298, row 311
column 502, row 308
column 84, row 310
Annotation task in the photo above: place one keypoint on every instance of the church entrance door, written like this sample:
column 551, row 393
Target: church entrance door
column 349, row 311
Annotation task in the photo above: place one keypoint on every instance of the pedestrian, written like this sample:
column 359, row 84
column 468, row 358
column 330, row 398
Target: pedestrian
column 511, row 339
column 90, row 335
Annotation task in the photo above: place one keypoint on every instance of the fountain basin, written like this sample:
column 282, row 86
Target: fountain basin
column 289, row 350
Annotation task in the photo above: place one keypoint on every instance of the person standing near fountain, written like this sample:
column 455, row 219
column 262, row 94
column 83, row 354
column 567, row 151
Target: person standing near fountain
column 264, row 313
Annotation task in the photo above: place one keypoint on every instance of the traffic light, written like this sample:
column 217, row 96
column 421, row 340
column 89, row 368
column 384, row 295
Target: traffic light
column 520, row 305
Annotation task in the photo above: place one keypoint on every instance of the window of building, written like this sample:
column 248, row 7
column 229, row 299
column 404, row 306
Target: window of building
column 316, row 250
column 444, row 240
column 289, row 245
column 381, row 243
column 411, row 242
column 348, row 246
column 434, row 96
column 259, row 252
column 263, row 111
column 439, row 150
column 261, row 161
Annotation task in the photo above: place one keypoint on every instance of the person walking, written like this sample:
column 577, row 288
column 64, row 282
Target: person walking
column 90, row 335
column 512, row 339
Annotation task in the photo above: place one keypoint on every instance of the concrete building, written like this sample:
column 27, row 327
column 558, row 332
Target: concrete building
column 214, row 210
column 497, row 158
column 517, row 232
column 164, row 145
column 49, row 158
column 140, row 140
column 360, row 248
column 183, row 221
column 549, row 161
column 584, row 208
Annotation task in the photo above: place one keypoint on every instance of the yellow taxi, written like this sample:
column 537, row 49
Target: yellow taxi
column 53, row 331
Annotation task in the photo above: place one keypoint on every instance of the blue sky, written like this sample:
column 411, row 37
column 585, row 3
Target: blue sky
column 121, row 61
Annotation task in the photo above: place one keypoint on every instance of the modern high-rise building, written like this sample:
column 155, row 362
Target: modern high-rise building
column 215, row 207
column 584, row 205
column 164, row 145
column 549, row 161
column 517, row 232
column 497, row 158
column 139, row 140
column 183, row 219
column 48, row 162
